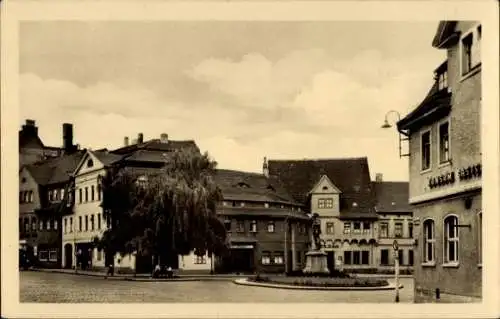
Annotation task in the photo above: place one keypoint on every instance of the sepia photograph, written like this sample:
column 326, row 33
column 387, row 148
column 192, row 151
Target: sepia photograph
column 239, row 160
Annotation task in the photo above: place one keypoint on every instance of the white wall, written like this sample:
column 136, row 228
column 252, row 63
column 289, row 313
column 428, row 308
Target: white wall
column 188, row 262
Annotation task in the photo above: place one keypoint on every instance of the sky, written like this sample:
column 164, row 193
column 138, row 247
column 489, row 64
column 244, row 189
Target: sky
column 242, row 90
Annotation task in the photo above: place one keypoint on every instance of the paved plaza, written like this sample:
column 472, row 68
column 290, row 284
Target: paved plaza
column 57, row 287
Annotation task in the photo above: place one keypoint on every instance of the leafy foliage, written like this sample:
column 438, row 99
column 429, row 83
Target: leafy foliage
column 171, row 210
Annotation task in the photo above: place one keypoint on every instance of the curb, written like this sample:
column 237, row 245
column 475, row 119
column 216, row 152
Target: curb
column 246, row 282
column 144, row 278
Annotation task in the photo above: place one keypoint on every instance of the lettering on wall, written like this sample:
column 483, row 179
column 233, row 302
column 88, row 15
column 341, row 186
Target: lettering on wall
column 449, row 178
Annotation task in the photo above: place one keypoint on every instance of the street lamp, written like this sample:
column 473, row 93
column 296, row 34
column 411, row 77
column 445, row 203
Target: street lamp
column 403, row 136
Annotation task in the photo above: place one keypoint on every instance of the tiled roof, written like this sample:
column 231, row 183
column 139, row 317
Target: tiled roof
column 55, row 170
column 435, row 105
column 392, row 197
column 261, row 211
column 106, row 157
column 350, row 175
column 156, row 145
column 237, row 185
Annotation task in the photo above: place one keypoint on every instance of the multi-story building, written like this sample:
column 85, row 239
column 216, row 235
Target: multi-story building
column 86, row 221
column 445, row 169
column 340, row 192
column 41, row 191
column 267, row 230
column 395, row 223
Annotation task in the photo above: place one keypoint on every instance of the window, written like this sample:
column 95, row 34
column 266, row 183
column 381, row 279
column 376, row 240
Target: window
column 26, row 224
column 98, row 221
column 92, row 193
column 53, row 255
column 357, row 227
column 86, row 222
column 451, row 239
column 86, row 194
column 79, row 223
column 480, row 236
column 400, row 257
column 266, row 258
column 347, row 228
column 410, row 230
column 356, row 260
column 55, row 224
column 443, row 80
column 99, row 190
column 55, row 195
column 384, row 230
column 90, row 163
column 329, row 228
column 426, row 150
column 398, row 230
column 253, row 226
column 240, row 226
column 92, row 222
column 444, row 142
column 365, row 257
column 384, row 256
column 41, row 224
column 410, row 257
column 71, row 224
column 321, row 203
column 65, row 227
column 33, row 223
column 347, row 257
column 329, row 203
column 200, row 259
column 80, row 195
column 49, row 222
column 61, row 192
column 43, row 255
column 99, row 255
column 227, row 225
column 278, row 258
column 270, row 227
column 429, row 240
column 266, row 205
column 366, row 227
column 471, row 50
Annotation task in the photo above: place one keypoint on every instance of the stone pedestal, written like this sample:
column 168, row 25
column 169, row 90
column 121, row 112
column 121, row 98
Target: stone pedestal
column 316, row 262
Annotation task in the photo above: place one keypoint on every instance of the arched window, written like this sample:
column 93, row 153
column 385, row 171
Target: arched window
column 451, row 239
column 429, row 241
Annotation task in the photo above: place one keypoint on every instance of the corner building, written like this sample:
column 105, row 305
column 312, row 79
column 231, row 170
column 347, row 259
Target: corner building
column 445, row 170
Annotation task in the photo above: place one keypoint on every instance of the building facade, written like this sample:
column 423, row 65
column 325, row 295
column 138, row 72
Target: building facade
column 445, row 169
column 395, row 222
column 339, row 191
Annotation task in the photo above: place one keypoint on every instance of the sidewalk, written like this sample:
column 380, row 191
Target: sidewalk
column 140, row 277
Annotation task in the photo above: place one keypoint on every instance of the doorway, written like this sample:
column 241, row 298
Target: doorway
column 68, row 256
column 330, row 261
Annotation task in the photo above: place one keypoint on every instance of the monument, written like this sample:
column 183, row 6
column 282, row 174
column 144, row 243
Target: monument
column 316, row 258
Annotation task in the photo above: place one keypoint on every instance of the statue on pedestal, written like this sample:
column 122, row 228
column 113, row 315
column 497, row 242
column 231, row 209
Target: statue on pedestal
column 316, row 261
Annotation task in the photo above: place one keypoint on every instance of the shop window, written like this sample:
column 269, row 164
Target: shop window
column 53, row 255
column 266, row 258
column 278, row 258
column 365, row 257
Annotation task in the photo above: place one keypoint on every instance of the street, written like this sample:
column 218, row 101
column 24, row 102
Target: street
column 56, row 287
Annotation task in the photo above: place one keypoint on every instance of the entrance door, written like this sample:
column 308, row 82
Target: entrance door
column 68, row 256
column 242, row 260
column 330, row 260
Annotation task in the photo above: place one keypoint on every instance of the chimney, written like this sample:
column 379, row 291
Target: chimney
column 378, row 177
column 164, row 138
column 30, row 128
column 67, row 137
column 265, row 169
column 140, row 138
column 125, row 141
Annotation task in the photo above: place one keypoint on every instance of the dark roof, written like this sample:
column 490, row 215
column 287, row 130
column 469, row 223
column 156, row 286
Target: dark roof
column 261, row 211
column 106, row 157
column 392, row 197
column 350, row 175
column 238, row 185
column 435, row 105
column 55, row 170
column 156, row 145
column 444, row 34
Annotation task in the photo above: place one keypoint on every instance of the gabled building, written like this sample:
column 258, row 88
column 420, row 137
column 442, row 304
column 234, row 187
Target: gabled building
column 395, row 223
column 445, row 169
column 340, row 192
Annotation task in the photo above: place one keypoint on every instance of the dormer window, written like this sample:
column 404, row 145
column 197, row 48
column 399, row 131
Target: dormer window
column 90, row 163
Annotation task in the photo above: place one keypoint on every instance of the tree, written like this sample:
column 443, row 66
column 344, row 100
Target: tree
column 163, row 212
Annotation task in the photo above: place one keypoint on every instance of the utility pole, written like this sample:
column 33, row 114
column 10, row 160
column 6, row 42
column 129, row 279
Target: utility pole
column 396, row 268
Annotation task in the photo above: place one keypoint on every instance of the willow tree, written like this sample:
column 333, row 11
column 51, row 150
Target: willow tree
column 164, row 212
